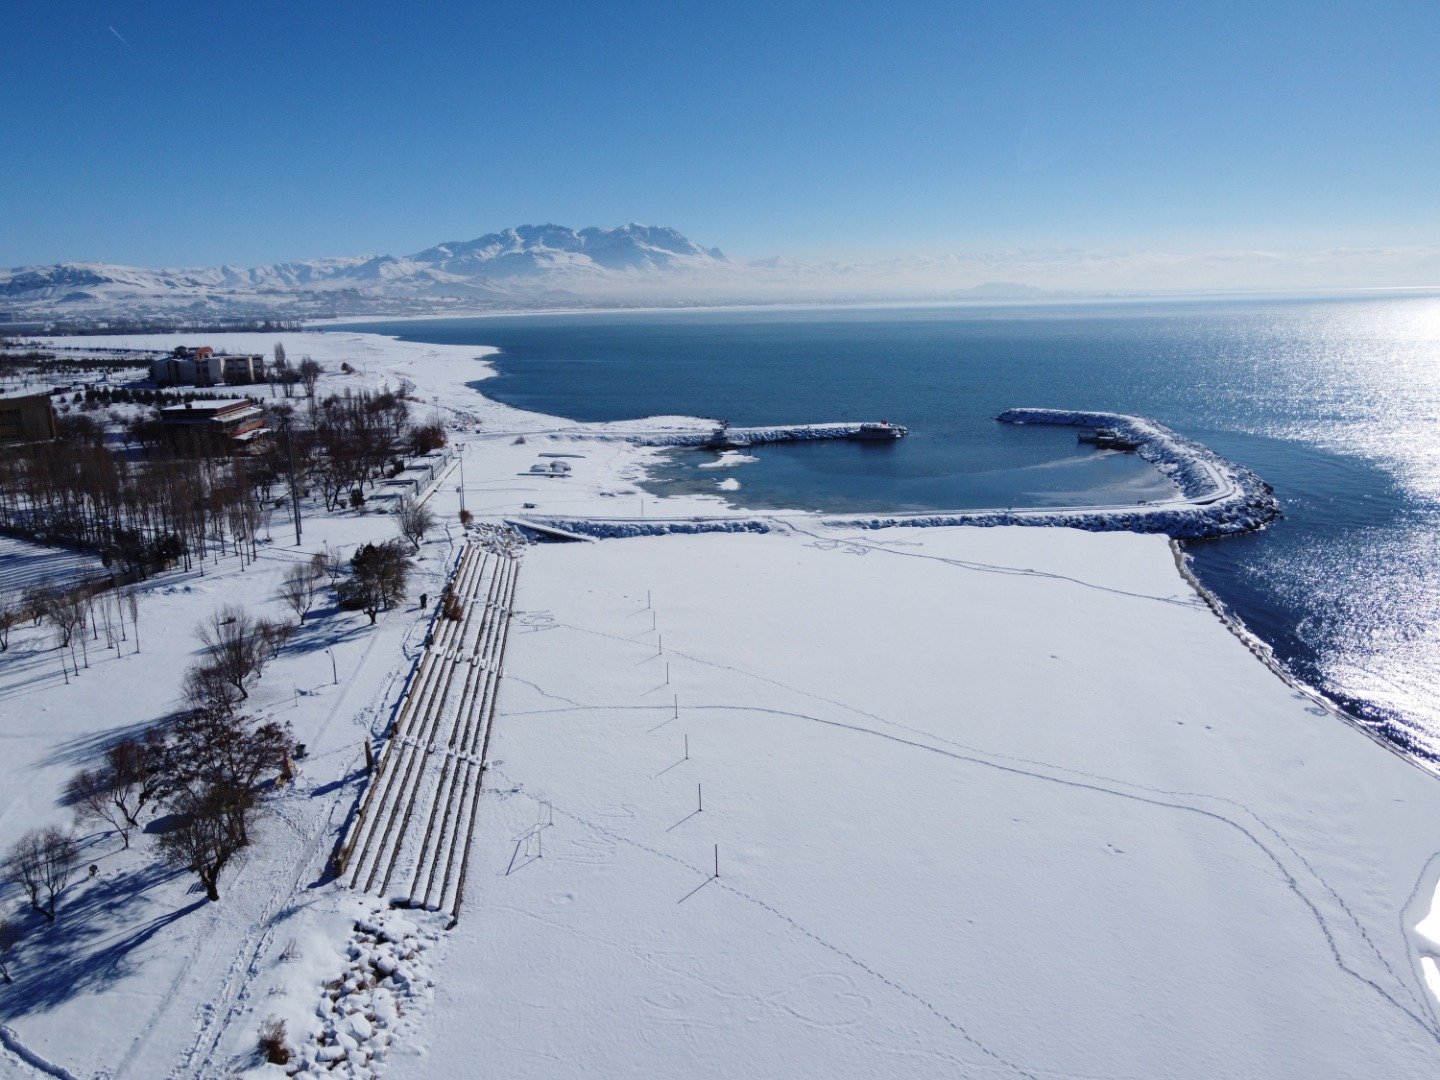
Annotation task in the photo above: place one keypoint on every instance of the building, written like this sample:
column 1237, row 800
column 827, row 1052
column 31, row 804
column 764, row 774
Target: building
column 203, row 366
column 239, row 422
column 238, row 369
column 26, row 419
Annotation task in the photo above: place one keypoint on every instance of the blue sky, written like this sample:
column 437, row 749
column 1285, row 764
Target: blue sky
column 194, row 133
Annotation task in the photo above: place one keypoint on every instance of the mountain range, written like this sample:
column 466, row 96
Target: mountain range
column 545, row 267
column 526, row 266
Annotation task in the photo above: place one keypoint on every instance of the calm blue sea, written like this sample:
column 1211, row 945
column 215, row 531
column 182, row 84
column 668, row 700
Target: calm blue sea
column 1335, row 402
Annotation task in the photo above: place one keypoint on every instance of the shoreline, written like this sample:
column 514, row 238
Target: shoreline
column 659, row 433
column 1266, row 655
column 761, row 521
column 1400, row 291
column 1049, row 736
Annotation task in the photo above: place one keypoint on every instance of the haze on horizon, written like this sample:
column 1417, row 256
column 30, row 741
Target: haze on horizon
column 1073, row 147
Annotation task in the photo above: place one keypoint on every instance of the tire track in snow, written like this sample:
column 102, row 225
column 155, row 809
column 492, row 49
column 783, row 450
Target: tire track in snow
column 1152, row 797
column 837, row 950
column 831, row 543
column 12, row 1045
column 1406, row 986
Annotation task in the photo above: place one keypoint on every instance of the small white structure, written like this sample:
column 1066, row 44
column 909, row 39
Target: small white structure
column 553, row 468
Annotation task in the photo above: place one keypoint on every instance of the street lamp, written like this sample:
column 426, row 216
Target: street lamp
column 461, row 488
column 334, row 676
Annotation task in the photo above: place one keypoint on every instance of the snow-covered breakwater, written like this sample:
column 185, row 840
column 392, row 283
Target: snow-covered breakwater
column 755, row 436
column 1224, row 497
column 1216, row 497
column 713, row 435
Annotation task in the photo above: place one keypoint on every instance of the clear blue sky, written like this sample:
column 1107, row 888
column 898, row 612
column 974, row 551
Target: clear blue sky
column 193, row 133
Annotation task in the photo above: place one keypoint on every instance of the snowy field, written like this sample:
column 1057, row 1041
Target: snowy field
column 24, row 565
column 987, row 802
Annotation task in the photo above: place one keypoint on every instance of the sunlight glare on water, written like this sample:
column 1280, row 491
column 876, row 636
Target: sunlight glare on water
column 1334, row 402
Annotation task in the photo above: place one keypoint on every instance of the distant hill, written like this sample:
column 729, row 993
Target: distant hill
column 527, row 266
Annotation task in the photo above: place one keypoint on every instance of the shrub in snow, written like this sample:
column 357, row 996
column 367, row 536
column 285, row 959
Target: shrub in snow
column 272, row 1044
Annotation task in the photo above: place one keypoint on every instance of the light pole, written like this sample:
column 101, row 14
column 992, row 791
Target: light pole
column 461, row 488
column 334, row 676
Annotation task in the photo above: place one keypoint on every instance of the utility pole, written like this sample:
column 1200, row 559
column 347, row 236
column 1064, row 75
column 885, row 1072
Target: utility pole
column 294, row 488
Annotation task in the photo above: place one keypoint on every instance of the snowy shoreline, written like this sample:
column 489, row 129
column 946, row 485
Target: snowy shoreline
column 1216, row 497
column 983, row 801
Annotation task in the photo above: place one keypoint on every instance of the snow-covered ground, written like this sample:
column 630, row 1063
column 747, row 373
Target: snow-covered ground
column 24, row 565
column 986, row 802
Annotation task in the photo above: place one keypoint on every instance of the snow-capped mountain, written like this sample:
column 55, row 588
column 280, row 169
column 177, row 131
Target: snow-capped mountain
column 531, row 261
column 539, row 249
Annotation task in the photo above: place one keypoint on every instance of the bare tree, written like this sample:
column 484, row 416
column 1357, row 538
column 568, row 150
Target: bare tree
column 202, row 840
column 118, row 790
column 135, row 774
column 300, row 587
column 415, row 520
column 205, row 686
column 216, row 755
column 310, row 371
column 237, row 649
column 274, row 633
column 427, row 437
column 66, row 612
column 9, row 617
column 332, row 562
column 132, row 604
column 91, row 792
column 9, row 938
column 42, row 863
column 39, row 599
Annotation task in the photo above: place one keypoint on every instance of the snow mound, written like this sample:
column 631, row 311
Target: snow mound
column 360, row 1010
column 728, row 460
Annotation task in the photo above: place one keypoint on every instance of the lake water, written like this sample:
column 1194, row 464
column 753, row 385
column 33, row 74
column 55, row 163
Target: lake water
column 1336, row 403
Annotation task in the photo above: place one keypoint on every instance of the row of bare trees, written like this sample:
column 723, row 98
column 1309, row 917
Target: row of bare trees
column 207, row 766
column 288, row 376
column 144, row 516
column 191, row 498
column 77, row 615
